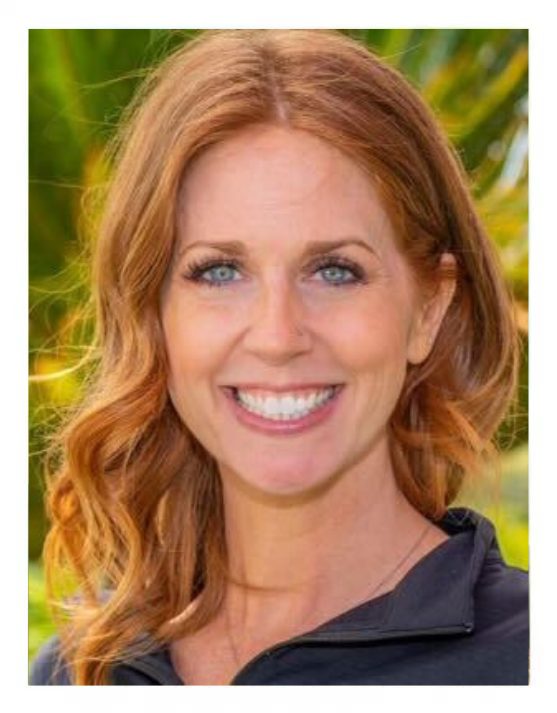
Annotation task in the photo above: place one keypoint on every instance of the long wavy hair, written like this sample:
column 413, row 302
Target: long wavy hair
column 134, row 501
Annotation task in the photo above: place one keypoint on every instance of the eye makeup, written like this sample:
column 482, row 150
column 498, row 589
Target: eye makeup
column 196, row 269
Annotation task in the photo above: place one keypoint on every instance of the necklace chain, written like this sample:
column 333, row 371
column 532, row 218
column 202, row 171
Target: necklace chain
column 369, row 596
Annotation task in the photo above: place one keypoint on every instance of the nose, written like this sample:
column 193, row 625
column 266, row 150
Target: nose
column 277, row 329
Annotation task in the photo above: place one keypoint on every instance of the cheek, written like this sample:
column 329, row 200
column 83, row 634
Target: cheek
column 373, row 336
column 374, row 352
column 195, row 339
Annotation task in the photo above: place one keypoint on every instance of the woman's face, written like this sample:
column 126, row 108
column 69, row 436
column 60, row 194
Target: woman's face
column 268, row 311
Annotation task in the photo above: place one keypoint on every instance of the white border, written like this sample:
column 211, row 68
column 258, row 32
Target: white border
column 542, row 319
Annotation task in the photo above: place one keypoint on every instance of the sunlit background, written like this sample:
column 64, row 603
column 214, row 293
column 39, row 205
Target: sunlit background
column 476, row 81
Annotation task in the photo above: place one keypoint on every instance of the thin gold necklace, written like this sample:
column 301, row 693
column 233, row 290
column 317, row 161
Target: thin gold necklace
column 368, row 597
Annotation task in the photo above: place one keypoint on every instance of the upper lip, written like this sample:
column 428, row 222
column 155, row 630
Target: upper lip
column 283, row 387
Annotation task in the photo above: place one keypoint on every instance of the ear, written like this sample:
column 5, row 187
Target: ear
column 430, row 313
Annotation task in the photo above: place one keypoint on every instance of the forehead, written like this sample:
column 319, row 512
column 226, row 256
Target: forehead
column 273, row 180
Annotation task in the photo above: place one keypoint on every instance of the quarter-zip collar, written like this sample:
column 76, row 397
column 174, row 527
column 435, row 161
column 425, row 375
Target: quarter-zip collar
column 435, row 598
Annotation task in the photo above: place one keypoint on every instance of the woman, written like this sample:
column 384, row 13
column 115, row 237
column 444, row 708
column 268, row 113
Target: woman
column 306, row 345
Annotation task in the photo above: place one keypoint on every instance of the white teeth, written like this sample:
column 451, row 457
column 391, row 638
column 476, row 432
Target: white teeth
column 285, row 407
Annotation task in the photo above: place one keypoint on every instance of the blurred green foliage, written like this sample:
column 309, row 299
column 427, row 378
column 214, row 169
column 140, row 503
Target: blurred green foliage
column 40, row 621
column 476, row 81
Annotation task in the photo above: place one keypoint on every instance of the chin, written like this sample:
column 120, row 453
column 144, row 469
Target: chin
column 284, row 485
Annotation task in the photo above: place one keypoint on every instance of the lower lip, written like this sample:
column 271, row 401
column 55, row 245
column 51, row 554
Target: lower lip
column 277, row 428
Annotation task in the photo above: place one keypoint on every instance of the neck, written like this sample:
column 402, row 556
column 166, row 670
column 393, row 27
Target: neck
column 310, row 560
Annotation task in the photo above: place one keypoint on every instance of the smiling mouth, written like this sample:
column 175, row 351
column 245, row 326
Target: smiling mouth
column 287, row 407
column 267, row 392
column 276, row 416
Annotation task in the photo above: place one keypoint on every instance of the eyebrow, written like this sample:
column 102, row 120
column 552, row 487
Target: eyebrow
column 315, row 247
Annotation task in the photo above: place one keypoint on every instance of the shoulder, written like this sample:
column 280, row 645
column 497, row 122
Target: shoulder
column 501, row 601
column 48, row 667
column 503, row 587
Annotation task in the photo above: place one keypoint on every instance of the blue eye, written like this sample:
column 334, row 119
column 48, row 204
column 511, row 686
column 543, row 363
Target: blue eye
column 219, row 272
column 219, row 268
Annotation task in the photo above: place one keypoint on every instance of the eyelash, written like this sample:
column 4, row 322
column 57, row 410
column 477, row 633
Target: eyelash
column 195, row 270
